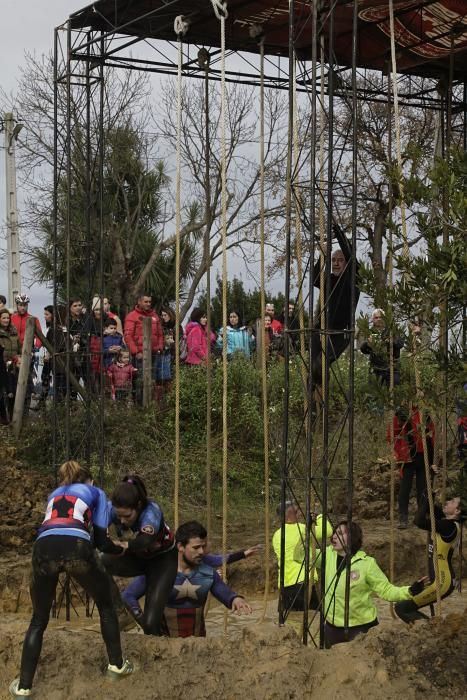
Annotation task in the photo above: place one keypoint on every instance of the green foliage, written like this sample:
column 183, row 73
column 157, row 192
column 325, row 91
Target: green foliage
column 128, row 218
column 246, row 303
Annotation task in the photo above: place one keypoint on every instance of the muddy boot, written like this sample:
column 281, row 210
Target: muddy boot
column 115, row 673
column 403, row 523
column 17, row 692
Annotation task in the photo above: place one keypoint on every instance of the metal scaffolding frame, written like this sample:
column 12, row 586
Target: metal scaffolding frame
column 312, row 462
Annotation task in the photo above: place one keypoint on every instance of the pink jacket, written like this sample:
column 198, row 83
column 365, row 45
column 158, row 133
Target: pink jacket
column 197, row 343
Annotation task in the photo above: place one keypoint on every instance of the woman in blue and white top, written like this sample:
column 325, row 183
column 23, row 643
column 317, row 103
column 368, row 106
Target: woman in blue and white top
column 239, row 338
column 64, row 545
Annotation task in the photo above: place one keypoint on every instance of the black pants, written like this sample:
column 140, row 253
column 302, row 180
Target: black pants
column 337, row 635
column 409, row 470
column 293, row 597
column 336, row 345
column 52, row 555
column 160, row 572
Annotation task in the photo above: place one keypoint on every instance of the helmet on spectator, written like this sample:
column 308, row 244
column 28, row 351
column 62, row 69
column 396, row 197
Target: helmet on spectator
column 22, row 299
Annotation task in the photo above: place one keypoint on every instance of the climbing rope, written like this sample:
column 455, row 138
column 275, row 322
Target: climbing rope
column 264, row 376
column 220, row 9
column 203, row 60
column 415, row 349
column 180, row 28
column 392, row 463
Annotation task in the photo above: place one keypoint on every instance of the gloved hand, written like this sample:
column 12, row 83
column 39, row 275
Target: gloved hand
column 418, row 586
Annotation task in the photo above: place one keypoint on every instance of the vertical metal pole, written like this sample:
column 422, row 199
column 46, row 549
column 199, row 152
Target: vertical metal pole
column 67, row 250
column 207, row 258
column 89, row 185
column 55, row 261
column 288, row 229
column 14, row 273
column 353, row 271
column 101, row 156
column 309, row 546
column 327, row 286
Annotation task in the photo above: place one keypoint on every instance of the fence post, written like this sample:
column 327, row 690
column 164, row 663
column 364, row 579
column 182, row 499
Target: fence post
column 23, row 376
column 147, row 361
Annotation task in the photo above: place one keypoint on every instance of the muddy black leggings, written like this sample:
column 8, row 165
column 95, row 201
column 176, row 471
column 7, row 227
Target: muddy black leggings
column 52, row 555
column 160, row 572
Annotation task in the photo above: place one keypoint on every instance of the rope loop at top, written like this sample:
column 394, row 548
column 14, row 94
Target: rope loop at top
column 256, row 31
column 181, row 25
column 220, row 9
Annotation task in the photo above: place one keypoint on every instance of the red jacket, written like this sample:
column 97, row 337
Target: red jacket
column 133, row 331
column 19, row 322
column 408, row 437
column 121, row 375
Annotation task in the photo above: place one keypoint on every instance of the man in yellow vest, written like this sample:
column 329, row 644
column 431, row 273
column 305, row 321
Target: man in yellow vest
column 293, row 594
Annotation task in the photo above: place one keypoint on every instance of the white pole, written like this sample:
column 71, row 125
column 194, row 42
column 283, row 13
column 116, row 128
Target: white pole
column 14, row 274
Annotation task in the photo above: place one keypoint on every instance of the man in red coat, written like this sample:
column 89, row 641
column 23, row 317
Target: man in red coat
column 20, row 317
column 133, row 332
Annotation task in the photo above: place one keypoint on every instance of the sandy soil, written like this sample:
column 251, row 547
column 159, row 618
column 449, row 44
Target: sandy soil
column 255, row 659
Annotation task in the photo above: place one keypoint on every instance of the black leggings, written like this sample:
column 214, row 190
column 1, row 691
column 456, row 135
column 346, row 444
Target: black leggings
column 51, row 555
column 160, row 572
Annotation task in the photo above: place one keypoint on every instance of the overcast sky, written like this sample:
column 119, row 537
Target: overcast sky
column 25, row 27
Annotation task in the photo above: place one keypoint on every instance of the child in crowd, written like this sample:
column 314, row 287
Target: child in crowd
column 112, row 342
column 121, row 375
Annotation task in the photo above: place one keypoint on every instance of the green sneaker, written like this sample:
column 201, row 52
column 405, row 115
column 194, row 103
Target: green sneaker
column 17, row 692
column 115, row 673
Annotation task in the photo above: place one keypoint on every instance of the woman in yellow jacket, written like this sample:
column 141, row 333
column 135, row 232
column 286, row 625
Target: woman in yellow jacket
column 366, row 579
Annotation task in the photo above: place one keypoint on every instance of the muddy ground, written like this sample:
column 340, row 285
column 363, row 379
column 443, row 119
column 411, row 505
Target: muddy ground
column 255, row 658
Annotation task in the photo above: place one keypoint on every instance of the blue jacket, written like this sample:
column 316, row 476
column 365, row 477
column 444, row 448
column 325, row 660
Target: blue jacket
column 107, row 342
column 74, row 510
column 238, row 340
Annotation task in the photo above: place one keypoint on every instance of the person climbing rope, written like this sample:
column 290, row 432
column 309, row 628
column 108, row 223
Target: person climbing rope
column 448, row 523
column 150, row 549
column 64, row 544
column 366, row 578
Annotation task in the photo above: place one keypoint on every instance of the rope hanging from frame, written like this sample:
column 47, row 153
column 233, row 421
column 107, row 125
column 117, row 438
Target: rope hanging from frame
column 415, row 349
column 264, row 378
column 203, row 61
column 221, row 13
column 392, row 484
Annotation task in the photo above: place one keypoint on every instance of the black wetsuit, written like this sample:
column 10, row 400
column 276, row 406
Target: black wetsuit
column 447, row 535
column 339, row 300
column 151, row 552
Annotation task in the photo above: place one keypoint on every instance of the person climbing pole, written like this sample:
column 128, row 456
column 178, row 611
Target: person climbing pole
column 338, row 299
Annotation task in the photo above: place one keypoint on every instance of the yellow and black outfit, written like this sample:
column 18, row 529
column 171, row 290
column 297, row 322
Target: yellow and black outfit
column 447, row 537
column 292, row 597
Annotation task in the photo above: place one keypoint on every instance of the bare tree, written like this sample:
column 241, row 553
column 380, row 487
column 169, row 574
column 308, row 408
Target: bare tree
column 243, row 173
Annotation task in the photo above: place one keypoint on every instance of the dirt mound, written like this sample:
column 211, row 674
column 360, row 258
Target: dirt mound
column 22, row 498
column 267, row 662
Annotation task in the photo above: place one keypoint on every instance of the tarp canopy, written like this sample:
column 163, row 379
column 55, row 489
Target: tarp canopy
column 427, row 33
